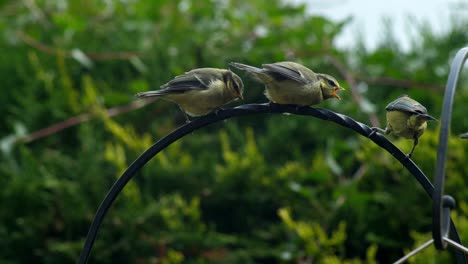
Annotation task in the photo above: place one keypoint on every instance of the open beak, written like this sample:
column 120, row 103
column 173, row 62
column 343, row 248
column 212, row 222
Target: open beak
column 334, row 94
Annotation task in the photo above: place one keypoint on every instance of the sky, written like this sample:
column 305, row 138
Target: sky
column 368, row 17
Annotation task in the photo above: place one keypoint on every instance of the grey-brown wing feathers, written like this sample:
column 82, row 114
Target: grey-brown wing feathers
column 246, row 67
column 406, row 104
column 281, row 71
column 180, row 84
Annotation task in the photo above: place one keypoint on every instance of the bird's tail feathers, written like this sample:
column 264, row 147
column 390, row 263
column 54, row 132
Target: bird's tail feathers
column 149, row 94
column 246, row 67
column 428, row 117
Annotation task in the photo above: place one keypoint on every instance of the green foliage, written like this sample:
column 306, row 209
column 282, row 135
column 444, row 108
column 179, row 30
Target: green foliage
column 259, row 189
column 313, row 237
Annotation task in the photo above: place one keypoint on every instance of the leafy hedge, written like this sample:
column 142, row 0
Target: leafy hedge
column 261, row 189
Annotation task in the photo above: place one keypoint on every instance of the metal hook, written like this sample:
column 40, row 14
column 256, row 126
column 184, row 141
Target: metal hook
column 439, row 221
column 448, row 203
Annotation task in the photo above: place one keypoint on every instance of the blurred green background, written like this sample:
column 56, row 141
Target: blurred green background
column 259, row 189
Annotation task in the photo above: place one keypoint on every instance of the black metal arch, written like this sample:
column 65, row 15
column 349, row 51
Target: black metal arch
column 245, row 110
column 443, row 203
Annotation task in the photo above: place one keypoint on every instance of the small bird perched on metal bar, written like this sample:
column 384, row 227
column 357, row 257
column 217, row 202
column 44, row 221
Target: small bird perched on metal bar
column 200, row 91
column 406, row 118
column 292, row 83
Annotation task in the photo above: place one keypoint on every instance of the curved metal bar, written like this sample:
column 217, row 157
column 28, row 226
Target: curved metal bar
column 245, row 110
column 439, row 230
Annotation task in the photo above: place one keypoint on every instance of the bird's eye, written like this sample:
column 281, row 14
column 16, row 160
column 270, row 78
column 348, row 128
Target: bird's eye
column 235, row 86
column 331, row 83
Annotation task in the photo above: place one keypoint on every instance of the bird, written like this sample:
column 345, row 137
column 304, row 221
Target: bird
column 292, row 83
column 406, row 118
column 200, row 91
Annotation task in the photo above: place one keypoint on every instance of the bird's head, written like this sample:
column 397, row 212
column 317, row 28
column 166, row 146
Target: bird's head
column 329, row 86
column 234, row 84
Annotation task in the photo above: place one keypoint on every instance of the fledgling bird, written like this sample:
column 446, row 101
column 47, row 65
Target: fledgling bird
column 200, row 91
column 406, row 118
column 292, row 83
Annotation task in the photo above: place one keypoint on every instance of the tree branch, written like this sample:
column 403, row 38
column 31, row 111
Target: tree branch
column 351, row 80
column 97, row 56
column 73, row 121
column 403, row 83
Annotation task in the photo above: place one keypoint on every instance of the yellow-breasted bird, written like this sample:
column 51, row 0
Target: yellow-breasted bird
column 292, row 83
column 200, row 91
column 406, row 118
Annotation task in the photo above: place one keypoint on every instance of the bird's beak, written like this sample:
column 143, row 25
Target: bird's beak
column 334, row 94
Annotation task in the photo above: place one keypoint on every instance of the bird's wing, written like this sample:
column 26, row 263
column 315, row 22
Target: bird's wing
column 282, row 71
column 406, row 105
column 186, row 82
column 189, row 81
column 246, row 67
